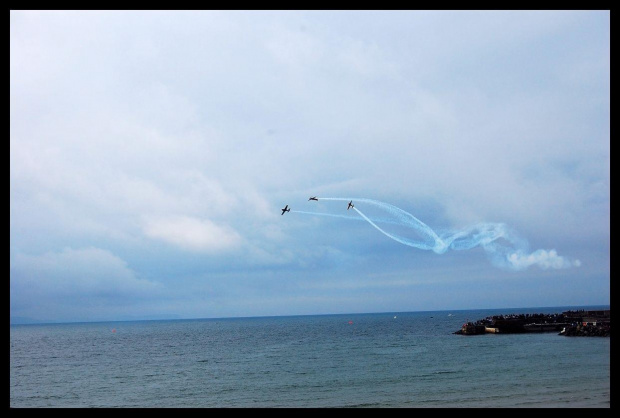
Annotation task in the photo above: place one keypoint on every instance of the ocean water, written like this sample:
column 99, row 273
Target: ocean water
column 379, row 360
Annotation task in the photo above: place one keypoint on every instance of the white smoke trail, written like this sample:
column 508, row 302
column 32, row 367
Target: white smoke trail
column 331, row 215
column 514, row 256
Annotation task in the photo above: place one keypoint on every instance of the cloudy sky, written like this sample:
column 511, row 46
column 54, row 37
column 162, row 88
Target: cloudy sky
column 151, row 153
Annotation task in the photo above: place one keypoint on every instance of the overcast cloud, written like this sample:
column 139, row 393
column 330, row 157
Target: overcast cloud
column 151, row 153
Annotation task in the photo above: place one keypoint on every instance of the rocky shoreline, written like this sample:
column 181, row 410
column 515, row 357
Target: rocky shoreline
column 569, row 323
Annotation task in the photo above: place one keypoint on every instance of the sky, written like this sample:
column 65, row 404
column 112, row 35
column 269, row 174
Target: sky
column 151, row 153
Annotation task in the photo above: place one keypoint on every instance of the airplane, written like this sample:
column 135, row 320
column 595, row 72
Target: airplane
column 350, row 205
column 314, row 198
column 286, row 209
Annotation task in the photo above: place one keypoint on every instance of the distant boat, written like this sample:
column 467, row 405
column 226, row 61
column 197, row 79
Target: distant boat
column 449, row 314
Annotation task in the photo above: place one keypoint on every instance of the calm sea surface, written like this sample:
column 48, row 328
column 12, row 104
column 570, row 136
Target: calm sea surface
column 381, row 360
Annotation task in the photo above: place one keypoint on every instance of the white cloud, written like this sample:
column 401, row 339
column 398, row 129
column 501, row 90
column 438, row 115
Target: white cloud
column 543, row 259
column 192, row 233
column 86, row 271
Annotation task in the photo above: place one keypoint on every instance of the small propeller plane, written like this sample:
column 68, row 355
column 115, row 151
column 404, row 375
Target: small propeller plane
column 314, row 198
column 350, row 205
column 285, row 209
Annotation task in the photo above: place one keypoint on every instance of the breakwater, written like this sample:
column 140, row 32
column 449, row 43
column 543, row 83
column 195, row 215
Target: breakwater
column 568, row 323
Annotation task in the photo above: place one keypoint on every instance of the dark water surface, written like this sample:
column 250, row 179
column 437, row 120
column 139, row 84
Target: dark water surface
column 407, row 359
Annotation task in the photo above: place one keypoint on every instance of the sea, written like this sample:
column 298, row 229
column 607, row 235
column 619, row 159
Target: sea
column 363, row 360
